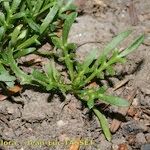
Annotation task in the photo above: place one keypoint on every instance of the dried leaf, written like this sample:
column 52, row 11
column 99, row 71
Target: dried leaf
column 15, row 89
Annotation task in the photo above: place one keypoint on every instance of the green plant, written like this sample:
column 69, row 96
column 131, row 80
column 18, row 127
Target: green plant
column 30, row 31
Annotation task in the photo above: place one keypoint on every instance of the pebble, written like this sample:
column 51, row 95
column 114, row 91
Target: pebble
column 133, row 127
column 140, row 138
column 105, row 145
column 61, row 123
column 147, row 136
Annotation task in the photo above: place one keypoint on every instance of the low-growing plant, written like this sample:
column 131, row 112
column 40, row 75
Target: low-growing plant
column 25, row 25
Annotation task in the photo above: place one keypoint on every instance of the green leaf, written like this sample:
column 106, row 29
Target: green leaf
column 6, row 77
column 41, row 79
column 29, row 5
column 71, row 46
column 28, row 42
column 55, row 72
column 43, row 9
column 68, row 6
column 34, row 26
column 38, row 6
column 67, row 25
column 88, row 60
column 113, row 100
column 49, row 71
column 57, row 42
column 24, row 52
column 49, row 18
column 2, row 18
column 7, row 6
column 18, row 15
column 39, row 76
column 2, row 32
column 15, row 34
column 22, row 35
column 15, row 5
column 118, row 39
column 133, row 46
column 110, row 70
column 90, row 103
column 104, row 123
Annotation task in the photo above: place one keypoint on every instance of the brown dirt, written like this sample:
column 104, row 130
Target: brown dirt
column 35, row 120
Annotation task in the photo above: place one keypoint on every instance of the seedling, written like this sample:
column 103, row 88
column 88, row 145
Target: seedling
column 24, row 25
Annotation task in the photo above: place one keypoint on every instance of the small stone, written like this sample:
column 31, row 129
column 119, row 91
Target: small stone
column 147, row 136
column 61, row 123
column 133, row 127
column 135, row 102
column 140, row 138
column 105, row 145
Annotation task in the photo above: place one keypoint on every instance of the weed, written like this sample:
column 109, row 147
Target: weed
column 25, row 25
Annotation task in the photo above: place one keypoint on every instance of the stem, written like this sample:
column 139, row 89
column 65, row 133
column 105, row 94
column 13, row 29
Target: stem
column 100, row 69
column 19, row 73
column 69, row 63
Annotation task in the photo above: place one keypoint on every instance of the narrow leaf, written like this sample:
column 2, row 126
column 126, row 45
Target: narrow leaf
column 118, row 39
column 38, row 6
column 89, row 59
column 15, row 5
column 104, row 123
column 34, row 26
column 49, row 18
column 18, row 15
column 68, row 6
column 24, row 52
column 2, row 31
column 28, row 42
column 2, row 18
column 113, row 100
column 7, row 6
column 15, row 34
column 67, row 25
column 133, row 46
column 90, row 103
